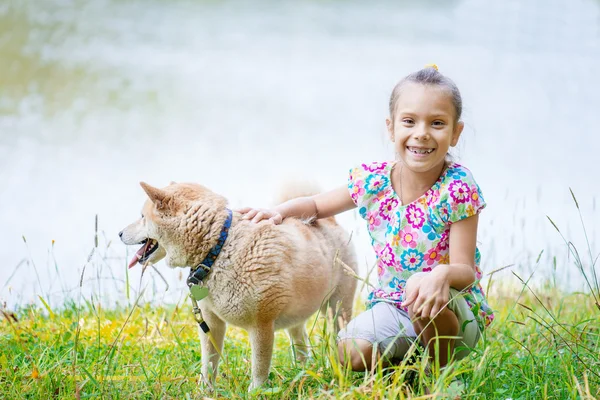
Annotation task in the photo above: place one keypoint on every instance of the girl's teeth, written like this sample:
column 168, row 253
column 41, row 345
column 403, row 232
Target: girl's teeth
column 421, row 151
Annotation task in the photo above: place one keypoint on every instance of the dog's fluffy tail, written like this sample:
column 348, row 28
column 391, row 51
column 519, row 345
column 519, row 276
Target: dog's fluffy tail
column 293, row 189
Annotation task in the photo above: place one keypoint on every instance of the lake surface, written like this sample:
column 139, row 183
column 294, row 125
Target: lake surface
column 98, row 95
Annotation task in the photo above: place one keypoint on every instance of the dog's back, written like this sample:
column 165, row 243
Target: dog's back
column 332, row 242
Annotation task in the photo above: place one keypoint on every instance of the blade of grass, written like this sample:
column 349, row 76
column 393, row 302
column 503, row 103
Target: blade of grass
column 46, row 306
column 593, row 263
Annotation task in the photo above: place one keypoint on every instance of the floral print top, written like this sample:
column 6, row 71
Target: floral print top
column 415, row 237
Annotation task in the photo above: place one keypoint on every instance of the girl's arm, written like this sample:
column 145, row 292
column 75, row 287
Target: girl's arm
column 322, row 205
column 460, row 273
column 432, row 292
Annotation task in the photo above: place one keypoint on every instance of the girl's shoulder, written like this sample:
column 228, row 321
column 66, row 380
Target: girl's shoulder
column 457, row 175
column 369, row 179
column 375, row 167
column 374, row 171
column 456, row 171
column 459, row 195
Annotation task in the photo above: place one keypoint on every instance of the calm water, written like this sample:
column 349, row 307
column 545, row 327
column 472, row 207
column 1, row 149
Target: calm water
column 98, row 95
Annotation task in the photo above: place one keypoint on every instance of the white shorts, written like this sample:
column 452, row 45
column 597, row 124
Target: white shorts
column 391, row 330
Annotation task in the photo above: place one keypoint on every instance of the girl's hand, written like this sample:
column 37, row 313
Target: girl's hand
column 429, row 295
column 258, row 214
column 320, row 206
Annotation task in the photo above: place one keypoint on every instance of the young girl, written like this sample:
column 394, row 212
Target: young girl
column 422, row 212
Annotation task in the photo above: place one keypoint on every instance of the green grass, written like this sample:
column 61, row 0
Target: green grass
column 544, row 344
column 540, row 346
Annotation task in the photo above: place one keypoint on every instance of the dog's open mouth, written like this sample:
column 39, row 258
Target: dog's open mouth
column 144, row 253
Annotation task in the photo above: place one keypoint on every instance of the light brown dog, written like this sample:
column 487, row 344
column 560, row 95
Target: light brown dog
column 266, row 277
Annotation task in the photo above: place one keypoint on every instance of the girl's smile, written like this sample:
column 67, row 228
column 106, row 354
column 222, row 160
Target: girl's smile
column 420, row 151
column 424, row 127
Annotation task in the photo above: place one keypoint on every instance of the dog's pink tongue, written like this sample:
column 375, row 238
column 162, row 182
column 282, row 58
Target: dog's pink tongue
column 138, row 255
column 133, row 261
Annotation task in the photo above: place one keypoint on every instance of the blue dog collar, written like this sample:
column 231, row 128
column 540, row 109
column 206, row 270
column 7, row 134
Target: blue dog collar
column 198, row 274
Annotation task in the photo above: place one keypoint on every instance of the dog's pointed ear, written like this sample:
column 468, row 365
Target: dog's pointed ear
column 157, row 196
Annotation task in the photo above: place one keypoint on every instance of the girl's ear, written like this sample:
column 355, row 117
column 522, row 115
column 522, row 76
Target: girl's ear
column 458, row 128
column 390, row 128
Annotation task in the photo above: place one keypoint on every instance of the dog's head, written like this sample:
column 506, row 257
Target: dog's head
column 173, row 224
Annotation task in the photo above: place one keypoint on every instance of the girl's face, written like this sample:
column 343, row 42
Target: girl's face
column 424, row 126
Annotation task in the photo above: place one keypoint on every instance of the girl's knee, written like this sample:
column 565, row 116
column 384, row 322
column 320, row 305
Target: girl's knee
column 446, row 322
column 356, row 353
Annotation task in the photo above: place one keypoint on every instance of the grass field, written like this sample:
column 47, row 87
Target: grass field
column 542, row 345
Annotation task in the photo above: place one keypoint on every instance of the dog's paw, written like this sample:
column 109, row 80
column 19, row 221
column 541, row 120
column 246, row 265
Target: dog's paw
column 205, row 385
column 264, row 390
column 255, row 387
column 303, row 355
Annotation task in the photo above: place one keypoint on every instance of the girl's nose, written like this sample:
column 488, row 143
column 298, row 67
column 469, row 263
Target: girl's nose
column 422, row 134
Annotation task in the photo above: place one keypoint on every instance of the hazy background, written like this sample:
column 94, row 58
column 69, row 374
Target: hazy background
column 98, row 95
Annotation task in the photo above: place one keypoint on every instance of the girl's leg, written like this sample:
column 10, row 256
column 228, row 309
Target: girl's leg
column 434, row 334
column 358, row 354
column 469, row 332
column 433, row 331
column 380, row 332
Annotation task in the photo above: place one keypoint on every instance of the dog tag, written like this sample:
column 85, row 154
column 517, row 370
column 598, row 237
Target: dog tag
column 198, row 292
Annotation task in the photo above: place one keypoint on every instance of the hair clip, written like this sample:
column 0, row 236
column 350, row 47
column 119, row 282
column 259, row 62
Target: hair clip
column 434, row 66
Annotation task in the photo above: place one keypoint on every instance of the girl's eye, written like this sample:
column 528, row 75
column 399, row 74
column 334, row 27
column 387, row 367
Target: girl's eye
column 438, row 123
column 408, row 121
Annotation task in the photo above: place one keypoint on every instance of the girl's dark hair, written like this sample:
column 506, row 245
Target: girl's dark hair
column 428, row 76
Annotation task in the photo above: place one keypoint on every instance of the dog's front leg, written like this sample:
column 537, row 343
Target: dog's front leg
column 261, row 344
column 210, row 354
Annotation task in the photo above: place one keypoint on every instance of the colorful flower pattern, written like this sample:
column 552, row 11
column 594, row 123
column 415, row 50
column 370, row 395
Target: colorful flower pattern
column 388, row 208
column 386, row 256
column 358, row 190
column 408, row 237
column 373, row 220
column 459, row 191
column 415, row 216
column 415, row 237
column 432, row 257
column 411, row 259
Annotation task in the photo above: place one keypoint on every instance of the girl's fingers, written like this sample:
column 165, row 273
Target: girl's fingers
column 426, row 309
column 276, row 219
column 424, row 306
column 418, row 306
column 438, row 305
column 250, row 214
column 410, row 299
column 434, row 311
column 258, row 217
